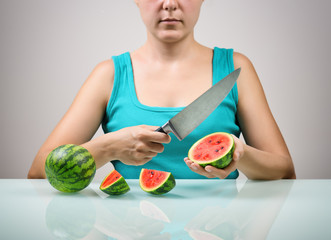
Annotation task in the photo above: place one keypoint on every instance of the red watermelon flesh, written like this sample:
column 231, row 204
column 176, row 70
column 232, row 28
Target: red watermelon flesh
column 216, row 144
column 156, row 182
column 114, row 184
column 215, row 149
column 111, row 178
column 152, row 178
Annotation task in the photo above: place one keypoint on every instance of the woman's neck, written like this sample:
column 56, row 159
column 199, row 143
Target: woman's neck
column 169, row 52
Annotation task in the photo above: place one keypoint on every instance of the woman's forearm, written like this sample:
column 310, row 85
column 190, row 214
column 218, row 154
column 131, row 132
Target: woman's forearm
column 95, row 147
column 37, row 169
column 101, row 149
column 257, row 164
column 132, row 146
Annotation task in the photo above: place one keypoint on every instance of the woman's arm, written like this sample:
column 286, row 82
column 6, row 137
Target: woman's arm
column 133, row 145
column 82, row 119
column 265, row 154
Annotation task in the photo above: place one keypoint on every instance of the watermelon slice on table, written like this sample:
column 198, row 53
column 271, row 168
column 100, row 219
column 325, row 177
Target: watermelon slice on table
column 114, row 184
column 156, row 182
column 70, row 168
column 215, row 149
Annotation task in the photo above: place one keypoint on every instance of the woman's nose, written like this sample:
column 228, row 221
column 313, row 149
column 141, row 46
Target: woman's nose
column 170, row 5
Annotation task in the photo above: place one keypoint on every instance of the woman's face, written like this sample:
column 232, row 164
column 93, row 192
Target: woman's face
column 169, row 20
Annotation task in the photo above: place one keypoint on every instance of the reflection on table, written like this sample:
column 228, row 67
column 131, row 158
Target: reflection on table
column 195, row 209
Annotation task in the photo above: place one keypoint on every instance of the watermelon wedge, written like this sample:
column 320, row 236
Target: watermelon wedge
column 156, row 182
column 114, row 184
column 215, row 149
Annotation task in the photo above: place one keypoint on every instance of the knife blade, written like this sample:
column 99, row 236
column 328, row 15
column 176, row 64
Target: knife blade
column 184, row 122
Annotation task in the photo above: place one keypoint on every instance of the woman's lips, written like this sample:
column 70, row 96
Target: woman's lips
column 170, row 20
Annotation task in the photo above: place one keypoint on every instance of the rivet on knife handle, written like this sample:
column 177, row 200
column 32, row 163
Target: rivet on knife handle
column 167, row 128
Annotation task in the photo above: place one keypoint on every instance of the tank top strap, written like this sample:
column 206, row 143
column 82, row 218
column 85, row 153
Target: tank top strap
column 122, row 76
column 222, row 63
column 222, row 66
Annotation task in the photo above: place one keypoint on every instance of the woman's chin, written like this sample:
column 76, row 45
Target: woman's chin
column 171, row 36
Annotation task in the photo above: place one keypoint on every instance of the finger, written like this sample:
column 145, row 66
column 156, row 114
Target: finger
column 154, row 147
column 239, row 149
column 236, row 155
column 188, row 161
column 144, row 152
column 216, row 172
column 222, row 173
column 150, row 155
column 160, row 137
column 197, row 168
column 149, row 127
column 141, row 158
column 153, row 136
column 149, row 147
column 141, row 161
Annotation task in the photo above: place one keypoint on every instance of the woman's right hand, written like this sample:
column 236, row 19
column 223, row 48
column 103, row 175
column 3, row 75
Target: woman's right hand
column 136, row 145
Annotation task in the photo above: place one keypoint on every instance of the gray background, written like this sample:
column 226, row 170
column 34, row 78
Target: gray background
column 48, row 48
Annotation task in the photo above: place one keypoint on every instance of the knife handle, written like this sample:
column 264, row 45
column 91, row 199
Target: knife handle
column 160, row 129
column 165, row 128
column 168, row 128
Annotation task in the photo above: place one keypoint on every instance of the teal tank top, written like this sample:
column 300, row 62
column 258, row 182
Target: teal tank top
column 125, row 110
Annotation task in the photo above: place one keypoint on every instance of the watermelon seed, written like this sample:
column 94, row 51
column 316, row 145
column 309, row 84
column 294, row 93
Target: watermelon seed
column 216, row 150
column 218, row 142
column 209, row 141
column 222, row 148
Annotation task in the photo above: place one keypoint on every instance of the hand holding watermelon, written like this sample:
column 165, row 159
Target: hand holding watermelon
column 215, row 155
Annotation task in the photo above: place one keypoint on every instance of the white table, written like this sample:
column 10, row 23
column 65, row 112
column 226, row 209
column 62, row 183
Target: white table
column 194, row 209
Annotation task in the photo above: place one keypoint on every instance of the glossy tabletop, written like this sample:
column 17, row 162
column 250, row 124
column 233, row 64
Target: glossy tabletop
column 194, row 209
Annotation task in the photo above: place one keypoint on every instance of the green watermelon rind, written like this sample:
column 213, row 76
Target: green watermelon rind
column 221, row 162
column 119, row 187
column 166, row 186
column 70, row 168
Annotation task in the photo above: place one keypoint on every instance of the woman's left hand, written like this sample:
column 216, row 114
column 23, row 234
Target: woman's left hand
column 212, row 172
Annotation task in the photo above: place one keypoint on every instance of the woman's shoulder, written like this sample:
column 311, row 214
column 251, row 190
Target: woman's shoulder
column 101, row 79
column 241, row 60
column 248, row 81
column 104, row 72
column 248, row 73
column 105, row 67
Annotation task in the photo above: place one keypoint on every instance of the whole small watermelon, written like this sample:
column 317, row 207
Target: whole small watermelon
column 70, row 168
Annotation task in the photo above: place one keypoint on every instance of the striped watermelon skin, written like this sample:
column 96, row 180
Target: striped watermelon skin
column 70, row 168
column 114, row 184
column 220, row 142
column 159, row 187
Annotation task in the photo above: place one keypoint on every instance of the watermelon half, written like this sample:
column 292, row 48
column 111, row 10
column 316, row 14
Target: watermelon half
column 114, row 184
column 156, row 182
column 215, row 149
column 70, row 168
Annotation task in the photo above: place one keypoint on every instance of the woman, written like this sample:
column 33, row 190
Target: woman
column 133, row 94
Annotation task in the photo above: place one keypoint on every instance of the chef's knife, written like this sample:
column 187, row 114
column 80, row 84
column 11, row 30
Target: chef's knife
column 184, row 122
